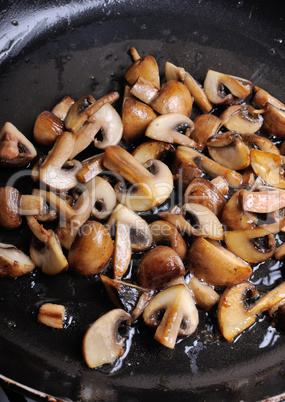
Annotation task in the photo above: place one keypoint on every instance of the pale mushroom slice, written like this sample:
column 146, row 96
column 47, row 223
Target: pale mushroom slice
column 269, row 167
column 229, row 150
column 61, row 109
column 274, row 120
column 91, row 167
column 103, row 197
column 205, row 125
column 54, row 171
column 159, row 266
column 174, row 313
column 149, row 189
column 132, row 233
column 210, row 167
column 132, row 298
column 235, row 217
column 242, row 118
column 102, row 343
column 164, row 233
column 15, row 149
column 170, row 128
column 145, row 67
column 205, row 296
column 152, row 150
column 217, row 85
column 264, row 201
column 47, row 128
column 14, row 262
column 209, row 261
column 260, row 143
column 253, row 245
column 178, row 73
column 234, row 313
column 59, row 204
column 52, row 315
column 195, row 219
column 45, row 249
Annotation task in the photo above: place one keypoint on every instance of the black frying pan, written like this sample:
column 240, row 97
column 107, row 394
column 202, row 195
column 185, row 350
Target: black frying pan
column 55, row 48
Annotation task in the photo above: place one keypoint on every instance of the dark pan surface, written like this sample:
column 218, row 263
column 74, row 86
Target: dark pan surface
column 56, row 48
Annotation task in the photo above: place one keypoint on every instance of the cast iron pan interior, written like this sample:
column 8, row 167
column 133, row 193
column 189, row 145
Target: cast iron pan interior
column 50, row 49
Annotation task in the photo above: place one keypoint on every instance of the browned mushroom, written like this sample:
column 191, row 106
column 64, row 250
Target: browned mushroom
column 205, row 126
column 262, row 97
column 264, row 201
column 145, row 67
column 260, row 143
column 184, row 168
column 269, row 167
column 152, row 150
column 274, row 120
column 205, row 296
column 47, row 128
column 242, row 118
column 91, row 167
column 61, row 109
column 52, row 315
column 13, row 262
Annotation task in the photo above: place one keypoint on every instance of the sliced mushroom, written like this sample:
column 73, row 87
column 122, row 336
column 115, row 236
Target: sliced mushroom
column 260, row 143
column 101, row 343
column 132, row 233
column 263, row 201
column 164, row 233
column 144, row 90
column 145, row 67
column 103, row 197
column 152, row 150
column 203, row 192
column 205, row 296
column 269, row 167
column 210, row 167
column 61, row 109
column 184, row 168
column 178, row 73
column 253, row 245
column 13, row 205
column 52, row 171
column 52, row 315
column 91, row 250
column 169, row 128
column 221, row 184
column 235, row 217
column 45, row 250
column 209, row 261
column 91, row 167
column 13, row 262
column 205, row 126
column 195, row 219
column 274, row 120
column 180, row 315
column 59, row 204
column 132, row 298
column 15, row 149
column 242, row 118
column 68, row 229
column 47, row 128
column 149, row 189
column 262, row 97
column 159, row 266
column 217, row 86
column 229, row 150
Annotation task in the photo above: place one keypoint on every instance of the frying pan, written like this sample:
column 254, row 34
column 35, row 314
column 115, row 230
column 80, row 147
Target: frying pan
column 54, row 48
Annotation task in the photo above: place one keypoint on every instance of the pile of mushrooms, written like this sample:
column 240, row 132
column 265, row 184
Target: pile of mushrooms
column 221, row 173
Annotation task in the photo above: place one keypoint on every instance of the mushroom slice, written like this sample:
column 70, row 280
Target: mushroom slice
column 229, row 150
column 263, row 201
column 269, row 167
column 91, row 250
column 61, row 206
column 274, row 120
column 184, row 168
column 169, row 128
column 195, row 219
column 13, row 262
column 159, row 266
column 173, row 97
column 132, row 298
column 180, row 315
column 68, row 229
column 103, row 197
column 242, row 118
column 235, row 217
column 152, row 150
column 132, row 233
column 145, row 67
column 47, row 128
column 216, row 86
column 149, row 189
column 45, row 249
column 52, row 315
column 101, row 342
column 144, row 90
column 260, row 143
column 210, row 167
column 262, row 97
column 91, row 167
column 52, row 171
column 202, row 191
column 61, row 109
column 15, row 149
column 209, row 261
column 269, row 300
column 205, row 126
column 253, row 245
column 165, row 233
column 178, row 73
column 205, row 296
